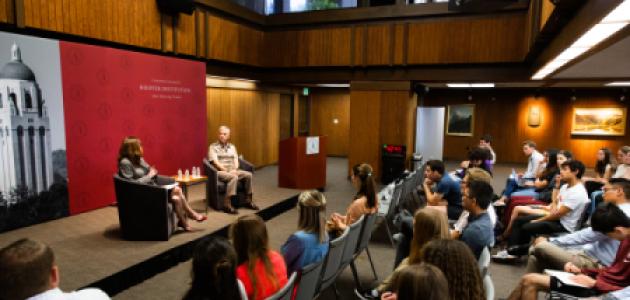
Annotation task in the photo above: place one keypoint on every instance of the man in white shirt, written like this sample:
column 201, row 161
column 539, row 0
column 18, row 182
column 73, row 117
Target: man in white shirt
column 562, row 215
column 523, row 179
column 585, row 248
column 28, row 271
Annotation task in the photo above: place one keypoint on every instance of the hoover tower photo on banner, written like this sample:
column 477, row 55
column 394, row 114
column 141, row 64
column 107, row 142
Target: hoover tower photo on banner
column 33, row 175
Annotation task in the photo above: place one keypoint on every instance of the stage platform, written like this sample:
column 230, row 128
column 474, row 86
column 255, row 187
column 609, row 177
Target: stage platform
column 90, row 252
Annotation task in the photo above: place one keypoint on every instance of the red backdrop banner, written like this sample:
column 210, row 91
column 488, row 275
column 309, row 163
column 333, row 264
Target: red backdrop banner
column 111, row 93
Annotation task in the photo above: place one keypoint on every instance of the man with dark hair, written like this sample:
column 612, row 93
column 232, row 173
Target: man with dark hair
column 28, row 271
column 562, row 215
column 611, row 281
column 479, row 232
column 523, row 179
column 447, row 196
column 587, row 248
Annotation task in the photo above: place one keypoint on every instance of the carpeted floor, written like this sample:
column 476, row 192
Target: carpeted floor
column 174, row 283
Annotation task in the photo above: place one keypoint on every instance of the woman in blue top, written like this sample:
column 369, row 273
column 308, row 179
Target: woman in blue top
column 310, row 243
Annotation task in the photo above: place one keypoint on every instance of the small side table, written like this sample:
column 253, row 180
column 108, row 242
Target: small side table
column 186, row 182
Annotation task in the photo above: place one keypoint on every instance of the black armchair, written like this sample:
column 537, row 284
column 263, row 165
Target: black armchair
column 215, row 189
column 144, row 211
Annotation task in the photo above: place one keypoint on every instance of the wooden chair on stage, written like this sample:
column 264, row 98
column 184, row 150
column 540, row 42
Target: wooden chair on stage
column 144, row 212
column 215, row 189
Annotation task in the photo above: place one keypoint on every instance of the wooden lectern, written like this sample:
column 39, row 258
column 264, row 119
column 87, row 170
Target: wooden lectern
column 299, row 170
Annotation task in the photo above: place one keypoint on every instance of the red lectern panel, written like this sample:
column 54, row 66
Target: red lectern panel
column 299, row 170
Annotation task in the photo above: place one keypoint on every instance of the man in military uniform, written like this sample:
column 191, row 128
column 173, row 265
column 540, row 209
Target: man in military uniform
column 222, row 154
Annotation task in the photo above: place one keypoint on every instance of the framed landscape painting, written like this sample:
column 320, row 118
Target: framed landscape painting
column 609, row 121
column 460, row 119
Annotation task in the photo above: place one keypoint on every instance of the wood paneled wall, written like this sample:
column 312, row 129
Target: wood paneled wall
column 134, row 23
column 326, row 106
column 486, row 39
column 505, row 118
column 380, row 116
column 253, row 116
column 206, row 34
column 546, row 10
column 6, row 11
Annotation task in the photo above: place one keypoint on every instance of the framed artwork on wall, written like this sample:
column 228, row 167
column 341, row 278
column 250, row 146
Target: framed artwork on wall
column 460, row 120
column 610, row 121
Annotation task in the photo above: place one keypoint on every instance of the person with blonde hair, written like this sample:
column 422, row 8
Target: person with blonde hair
column 131, row 165
column 428, row 224
column 261, row 270
column 310, row 243
column 364, row 202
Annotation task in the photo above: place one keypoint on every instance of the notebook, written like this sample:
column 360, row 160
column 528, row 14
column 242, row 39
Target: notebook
column 564, row 277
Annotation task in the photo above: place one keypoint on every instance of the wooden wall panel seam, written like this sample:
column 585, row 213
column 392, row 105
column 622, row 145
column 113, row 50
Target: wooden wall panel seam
column 405, row 43
column 197, row 33
column 19, row 13
column 392, row 42
column 353, row 29
column 206, row 33
column 365, row 45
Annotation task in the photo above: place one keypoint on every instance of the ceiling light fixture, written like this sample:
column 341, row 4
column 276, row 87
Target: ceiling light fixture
column 470, row 85
column 618, row 83
column 616, row 20
column 334, row 85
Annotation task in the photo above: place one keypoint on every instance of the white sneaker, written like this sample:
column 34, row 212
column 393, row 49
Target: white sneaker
column 503, row 255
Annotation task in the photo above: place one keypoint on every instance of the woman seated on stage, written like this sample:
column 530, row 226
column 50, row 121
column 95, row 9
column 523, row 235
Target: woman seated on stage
column 214, row 272
column 131, row 165
column 261, row 270
column 310, row 243
column 364, row 202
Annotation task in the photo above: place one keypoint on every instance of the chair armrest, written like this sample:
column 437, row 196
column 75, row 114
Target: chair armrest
column 245, row 165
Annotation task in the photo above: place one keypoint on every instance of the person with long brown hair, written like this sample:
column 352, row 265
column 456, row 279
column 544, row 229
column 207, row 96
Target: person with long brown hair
column 428, row 224
column 310, row 243
column 459, row 266
column 261, row 270
column 419, row 281
column 364, row 202
column 131, row 165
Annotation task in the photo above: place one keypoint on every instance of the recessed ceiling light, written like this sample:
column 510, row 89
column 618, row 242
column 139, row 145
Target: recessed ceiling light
column 619, row 14
column 470, row 85
column 618, row 83
column 458, row 85
column 334, row 85
column 616, row 19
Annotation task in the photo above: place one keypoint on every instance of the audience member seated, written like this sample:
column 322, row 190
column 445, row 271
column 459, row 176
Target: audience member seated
column 563, row 214
column 261, row 270
column 521, row 203
column 622, row 171
column 222, row 154
column 131, row 165
column 420, row 281
column 364, row 201
column 587, row 248
column 28, row 271
column 428, row 224
column 610, row 281
column 486, row 142
column 477, row 158
column 310, row 243
column 472, row 174
column 446, row 195
column 479, row 233
column 603, row 172
column 623, row 159
column 214, row 272
column 523, row 179
column 459, row 266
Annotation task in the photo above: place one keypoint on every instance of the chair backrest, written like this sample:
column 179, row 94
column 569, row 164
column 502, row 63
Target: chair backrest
column 333, row 259
column 309, row 280
column 366, row 232
column 484, row 261
column 286, row 291
column 352, row 242
column 393, row 204
column 488, row 287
